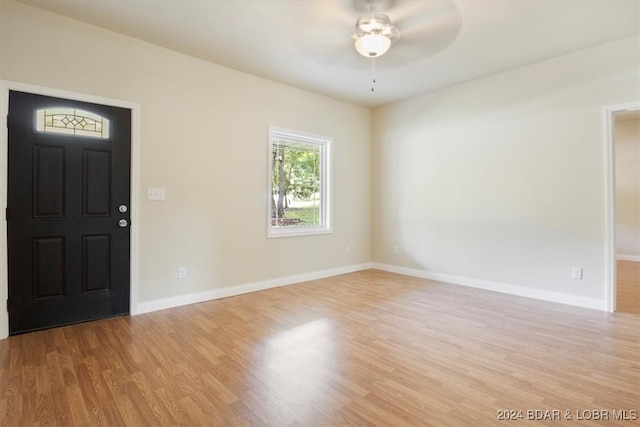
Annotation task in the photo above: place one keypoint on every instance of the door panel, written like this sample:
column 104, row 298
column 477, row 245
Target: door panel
column 96, row 254
column 69, row 170
column 96, row 167
column 49, row 165
column 48, row 267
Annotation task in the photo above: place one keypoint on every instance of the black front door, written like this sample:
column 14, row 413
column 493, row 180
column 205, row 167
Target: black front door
column 67, row 212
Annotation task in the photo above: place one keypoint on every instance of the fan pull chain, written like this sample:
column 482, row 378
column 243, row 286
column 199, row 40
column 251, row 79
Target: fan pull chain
column 373, row 74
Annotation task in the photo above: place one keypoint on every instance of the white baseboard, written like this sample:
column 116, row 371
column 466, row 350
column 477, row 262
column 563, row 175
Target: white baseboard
column 622, row 257
column 161, row 304
column 180, row 300
column 497, row 287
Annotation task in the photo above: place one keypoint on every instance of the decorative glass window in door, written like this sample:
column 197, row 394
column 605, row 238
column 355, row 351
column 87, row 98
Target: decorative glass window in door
column 70, row 121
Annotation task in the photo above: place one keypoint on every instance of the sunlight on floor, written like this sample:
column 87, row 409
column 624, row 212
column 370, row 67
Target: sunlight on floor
column 300, row 362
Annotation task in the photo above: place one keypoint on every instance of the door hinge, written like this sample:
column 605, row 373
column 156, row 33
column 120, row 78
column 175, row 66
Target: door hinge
column 8, row 306
column 6, row 214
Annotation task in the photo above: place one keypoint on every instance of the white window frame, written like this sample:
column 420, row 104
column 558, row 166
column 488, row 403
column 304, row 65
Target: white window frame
column 324, row 143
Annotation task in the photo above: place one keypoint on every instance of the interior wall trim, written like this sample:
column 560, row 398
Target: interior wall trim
column 623, row 257
column 193, row 298
column 497, row 287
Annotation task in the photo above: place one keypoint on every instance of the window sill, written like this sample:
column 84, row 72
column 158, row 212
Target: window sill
column 275, row 233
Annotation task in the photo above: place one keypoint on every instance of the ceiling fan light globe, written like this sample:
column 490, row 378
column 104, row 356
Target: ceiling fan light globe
column 373, row 45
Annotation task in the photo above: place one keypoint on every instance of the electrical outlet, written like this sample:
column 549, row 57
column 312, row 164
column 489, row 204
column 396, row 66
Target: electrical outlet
column 347, row 250
column 182, row 272
column 396, row 250
column 576, row 273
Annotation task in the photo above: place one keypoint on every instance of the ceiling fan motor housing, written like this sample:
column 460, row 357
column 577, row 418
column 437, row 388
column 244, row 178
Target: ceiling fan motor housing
column 375, row 34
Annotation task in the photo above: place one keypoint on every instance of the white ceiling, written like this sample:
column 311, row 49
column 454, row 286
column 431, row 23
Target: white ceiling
column 309, row 43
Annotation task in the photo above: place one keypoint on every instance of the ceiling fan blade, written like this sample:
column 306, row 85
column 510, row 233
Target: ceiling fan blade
column 426, row 29
column 405, row 10
column 330, row 39
column 330, row 36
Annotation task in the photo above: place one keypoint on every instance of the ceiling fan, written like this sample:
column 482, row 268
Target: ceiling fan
column 389, row 33
column 425, row 26
column 375, row 33
column 404, row 31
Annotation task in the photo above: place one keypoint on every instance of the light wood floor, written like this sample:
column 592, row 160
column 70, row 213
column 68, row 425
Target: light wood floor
column 368, row 348
column 628, row 287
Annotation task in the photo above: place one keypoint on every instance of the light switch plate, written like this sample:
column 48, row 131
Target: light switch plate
column 155, row 193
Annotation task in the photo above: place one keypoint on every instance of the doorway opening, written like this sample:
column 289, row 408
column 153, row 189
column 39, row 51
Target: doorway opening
column 621, row 199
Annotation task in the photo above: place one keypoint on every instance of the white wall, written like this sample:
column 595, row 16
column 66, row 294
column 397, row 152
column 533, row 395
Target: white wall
column 204, row 137
column 627, row 149
column 500, row 181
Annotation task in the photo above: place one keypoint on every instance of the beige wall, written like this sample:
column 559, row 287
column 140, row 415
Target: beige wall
column 204, row 137
column 627, row 149
column 501, row 179
column 3, row 34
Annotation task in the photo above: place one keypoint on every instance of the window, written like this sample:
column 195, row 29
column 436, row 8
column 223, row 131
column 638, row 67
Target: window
column 70, row 121
column 299, row 184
